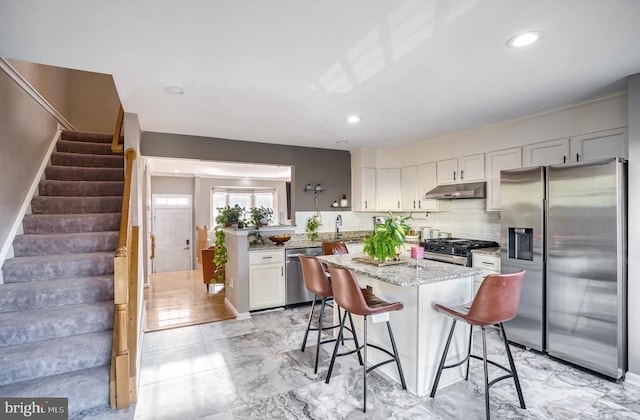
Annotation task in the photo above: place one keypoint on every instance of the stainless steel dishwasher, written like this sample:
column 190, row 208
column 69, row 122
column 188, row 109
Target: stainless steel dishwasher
column 296, row 292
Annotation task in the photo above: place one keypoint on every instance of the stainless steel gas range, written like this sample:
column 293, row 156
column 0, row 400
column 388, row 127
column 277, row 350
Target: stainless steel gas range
column 453, row 250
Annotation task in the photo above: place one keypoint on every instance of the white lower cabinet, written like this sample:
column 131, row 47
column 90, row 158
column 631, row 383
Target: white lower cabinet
column 266, row 279
column 489, row 264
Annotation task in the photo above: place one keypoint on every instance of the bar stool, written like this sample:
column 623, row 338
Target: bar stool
column 496, row 301
column 334, row 248
column 347, row 293
column 316, row 281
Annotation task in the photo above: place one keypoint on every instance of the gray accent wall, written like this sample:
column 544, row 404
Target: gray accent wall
column 329, row 168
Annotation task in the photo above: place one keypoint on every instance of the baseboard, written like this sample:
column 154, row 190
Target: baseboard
column 632, row 378
column 239, row 316
column 17, row 223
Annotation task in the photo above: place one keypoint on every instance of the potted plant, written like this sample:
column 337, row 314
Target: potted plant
column 261, row 216
column 229, row 216
column 388, row 238
column 313, row 223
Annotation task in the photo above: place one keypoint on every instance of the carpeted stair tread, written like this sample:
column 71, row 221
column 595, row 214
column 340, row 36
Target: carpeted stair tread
column 85, row 389
column 23, row 327
column 84, row 147
column 29, row 361
column 88, row 137
column 68, row 205
column 80, row 188
column 93, row 161
column 43, row 268
column 55, row 292
column 79, row 173
column 70, row 223
column 64, row 243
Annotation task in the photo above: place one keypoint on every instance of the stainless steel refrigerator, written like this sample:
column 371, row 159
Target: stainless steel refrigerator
column 566, row 226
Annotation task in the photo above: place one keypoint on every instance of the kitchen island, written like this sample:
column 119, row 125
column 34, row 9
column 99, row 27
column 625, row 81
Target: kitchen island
column 419, row 331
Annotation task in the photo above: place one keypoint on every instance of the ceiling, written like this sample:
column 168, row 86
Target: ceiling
column 291, row 71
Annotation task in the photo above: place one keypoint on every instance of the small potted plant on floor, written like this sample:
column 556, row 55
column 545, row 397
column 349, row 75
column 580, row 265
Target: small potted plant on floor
column 388, row 238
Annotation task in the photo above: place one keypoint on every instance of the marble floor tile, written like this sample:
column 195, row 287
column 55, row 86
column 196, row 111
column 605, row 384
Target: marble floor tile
column 255, row 369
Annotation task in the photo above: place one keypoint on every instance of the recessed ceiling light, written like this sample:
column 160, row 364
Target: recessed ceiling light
column 354, row 119
column 174, row 90
column 524, row 39
column 342, row 141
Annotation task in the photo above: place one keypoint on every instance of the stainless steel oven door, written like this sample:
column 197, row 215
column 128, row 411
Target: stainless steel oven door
column 451, row 259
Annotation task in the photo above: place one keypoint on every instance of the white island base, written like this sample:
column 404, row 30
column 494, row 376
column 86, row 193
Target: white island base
column 419, row 331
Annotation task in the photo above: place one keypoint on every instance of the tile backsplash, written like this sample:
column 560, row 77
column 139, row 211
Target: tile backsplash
column 464, row 218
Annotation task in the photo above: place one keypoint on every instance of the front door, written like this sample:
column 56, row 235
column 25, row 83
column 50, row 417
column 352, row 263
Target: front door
column 172, row 240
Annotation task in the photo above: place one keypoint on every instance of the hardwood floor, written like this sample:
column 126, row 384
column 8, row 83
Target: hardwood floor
column 180, row 298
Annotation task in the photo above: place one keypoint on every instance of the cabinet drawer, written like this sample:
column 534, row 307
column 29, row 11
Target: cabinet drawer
column 486, row 262
column 266, row 257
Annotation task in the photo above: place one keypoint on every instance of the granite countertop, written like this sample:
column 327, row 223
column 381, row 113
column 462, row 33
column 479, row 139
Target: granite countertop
column 494, row 252
column 301, row 241
column 404, row 275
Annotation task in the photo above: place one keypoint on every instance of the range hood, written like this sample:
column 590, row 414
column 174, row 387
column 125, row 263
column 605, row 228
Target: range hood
column 468, row 190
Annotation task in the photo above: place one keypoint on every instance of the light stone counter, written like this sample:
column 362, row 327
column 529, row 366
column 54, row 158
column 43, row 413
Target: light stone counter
column 404, row 275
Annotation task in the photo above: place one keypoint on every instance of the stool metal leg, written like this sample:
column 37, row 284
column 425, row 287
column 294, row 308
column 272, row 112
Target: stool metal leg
column 486, row 374
column 355, row 338
column 306, row 333
column 315, row 368
column 364, row 368
column 513, row 367
column 444, row 358
column 396, row 356
column 335, row 348
column 466, row 376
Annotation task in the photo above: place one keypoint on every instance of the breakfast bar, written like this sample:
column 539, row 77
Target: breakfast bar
column 419, row 331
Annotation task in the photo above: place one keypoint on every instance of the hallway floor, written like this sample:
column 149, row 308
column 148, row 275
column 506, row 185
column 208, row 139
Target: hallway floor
column 253, row 369
column 180, row 298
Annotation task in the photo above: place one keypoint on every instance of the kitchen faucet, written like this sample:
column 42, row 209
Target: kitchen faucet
column 338, row 224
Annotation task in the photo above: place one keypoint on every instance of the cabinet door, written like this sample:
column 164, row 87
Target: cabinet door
column 266, row 286
column 389, row 189
column 600, row 145
column 546, row 153
column 427, row 181
column 472, row 168
column 410, row 188
column 363, row 188
column 496, row 162
column 447, row 171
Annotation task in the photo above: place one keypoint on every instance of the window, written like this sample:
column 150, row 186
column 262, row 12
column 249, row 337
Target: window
column 246, row 198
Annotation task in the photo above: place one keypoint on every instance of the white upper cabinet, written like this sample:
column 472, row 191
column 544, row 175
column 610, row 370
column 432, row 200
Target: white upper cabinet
column 600, row 145
column 389, row 189
column 546, row 153
column 363, row 189
column 410, row 194
column 464, row 169
column 496, row 162
column 427, row 174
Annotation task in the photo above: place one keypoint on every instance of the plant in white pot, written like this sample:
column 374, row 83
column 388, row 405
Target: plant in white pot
column 388, row 239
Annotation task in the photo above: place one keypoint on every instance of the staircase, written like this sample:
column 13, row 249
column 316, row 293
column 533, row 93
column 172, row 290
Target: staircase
column 56, row 303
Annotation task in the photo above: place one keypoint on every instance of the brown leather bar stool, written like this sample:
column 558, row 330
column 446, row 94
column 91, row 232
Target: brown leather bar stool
column 496, row 301
column 334, row 248
column 347, row 294
column 316, row 281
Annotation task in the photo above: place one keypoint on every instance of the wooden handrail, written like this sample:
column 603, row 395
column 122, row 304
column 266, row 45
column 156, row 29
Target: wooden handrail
column 125, row 290
column 116, row 147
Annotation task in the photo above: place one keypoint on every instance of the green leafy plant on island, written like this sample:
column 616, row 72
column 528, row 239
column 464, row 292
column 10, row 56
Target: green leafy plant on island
column 388, row 238
column 313, row 223
column 227, row 216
